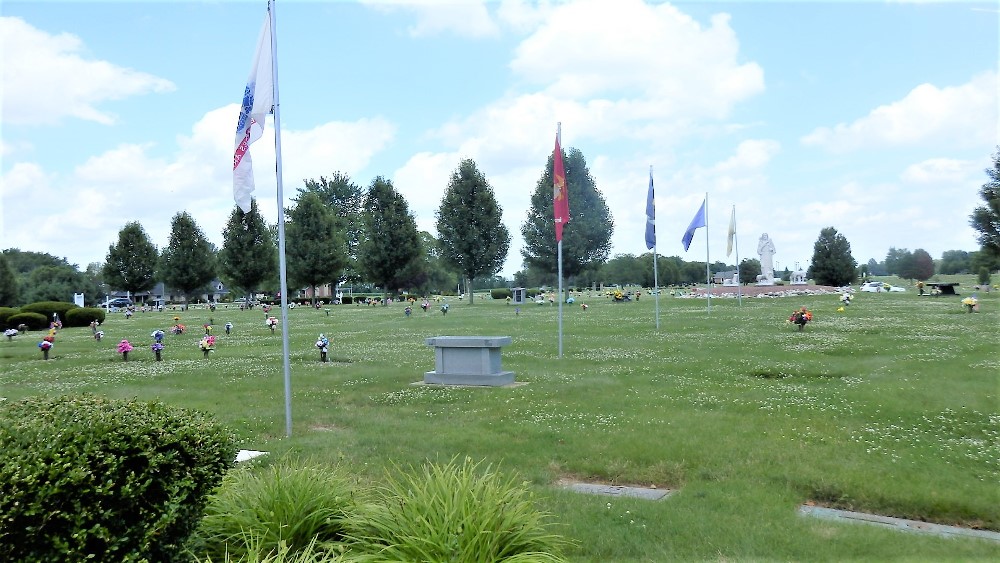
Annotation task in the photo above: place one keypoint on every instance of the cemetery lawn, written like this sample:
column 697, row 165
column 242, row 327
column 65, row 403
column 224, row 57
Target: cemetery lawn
column 889, row 407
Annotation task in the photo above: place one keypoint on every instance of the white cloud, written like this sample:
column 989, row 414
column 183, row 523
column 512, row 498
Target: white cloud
column 939, row 170
column 965, row 115
column 435, row 17
column 47, row 78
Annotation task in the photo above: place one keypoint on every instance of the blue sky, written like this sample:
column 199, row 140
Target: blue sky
column 875, row 118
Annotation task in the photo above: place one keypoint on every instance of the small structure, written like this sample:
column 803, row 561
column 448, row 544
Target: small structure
column 799, row 278
column 468, row 360
column 519, row 295
column 943, row 288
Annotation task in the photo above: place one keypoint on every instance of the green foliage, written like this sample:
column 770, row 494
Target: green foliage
column 131, row 263
column 501, row 293
column 248, row 256
column 984, row 276
column 48, row 308
column 954, row 262
column 34, row 321
column 188, row 262
column 5, row 313
column 587, row 235
column 471, row 233
column 832, row 263
column 466, row 513
column 51, row 283
column 344, row 198
column 749, row 270
column 114, row 480
column 290, row 503
column 315, row 249
column 922, row 267
column 83, row 316
column 258, row 552
column 986, row 218
column 8, row 284
column 390, row 254
column 346, row 300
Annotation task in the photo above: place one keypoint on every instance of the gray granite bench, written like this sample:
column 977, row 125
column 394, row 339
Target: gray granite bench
column 468, row 360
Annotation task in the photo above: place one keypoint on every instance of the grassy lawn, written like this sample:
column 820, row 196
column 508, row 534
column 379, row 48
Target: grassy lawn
column 890, row 406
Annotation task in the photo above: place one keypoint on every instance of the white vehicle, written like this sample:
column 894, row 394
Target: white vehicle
column 878, row 287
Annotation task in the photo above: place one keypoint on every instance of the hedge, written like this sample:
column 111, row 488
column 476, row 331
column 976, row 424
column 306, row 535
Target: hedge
column 87, row 477
column 5, row 313
column 47, row 308
column 501, row 293
column 83, row 316
column 34, row 321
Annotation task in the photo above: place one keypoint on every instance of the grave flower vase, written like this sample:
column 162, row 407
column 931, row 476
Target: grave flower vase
column 45, row 354
column 322, row 356
column 205, row 352
column 159, row 357
column 125, row 356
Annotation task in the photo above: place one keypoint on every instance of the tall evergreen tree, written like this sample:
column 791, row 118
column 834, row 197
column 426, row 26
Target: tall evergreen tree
column 188, row 262
column 8, row 284
column 391, row 241
column 471, row 233
column 986, row 218
column 832, row 262
column 315, row 251
column 248, row 255
column 587, row 235
column 131, row 264
column 344, row 198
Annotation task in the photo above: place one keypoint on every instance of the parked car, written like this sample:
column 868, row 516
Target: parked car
column 117, row 303
column 877, row 287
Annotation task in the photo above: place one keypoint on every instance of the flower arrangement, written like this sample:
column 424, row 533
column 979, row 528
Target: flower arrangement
column 971, row 304
column 207, row 344
column 124, row 347
column 801, row 317
column 157, row 335
column 45, row 346
column 229, row 327
column 157, row 349
column 323, row 343
column 845, row 299
column 99, row 335
column 584, row 306
column 271, row 323
column 10, row 333
column 177, row 328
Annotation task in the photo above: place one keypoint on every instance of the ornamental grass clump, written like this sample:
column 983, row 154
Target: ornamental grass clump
column 455, row 512
column 266, row 510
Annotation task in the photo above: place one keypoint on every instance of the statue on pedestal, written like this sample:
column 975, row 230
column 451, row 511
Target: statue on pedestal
column 765, row 248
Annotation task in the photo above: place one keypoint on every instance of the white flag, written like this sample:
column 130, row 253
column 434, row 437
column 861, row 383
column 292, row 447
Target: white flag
column 258, row 101
column 732, row 232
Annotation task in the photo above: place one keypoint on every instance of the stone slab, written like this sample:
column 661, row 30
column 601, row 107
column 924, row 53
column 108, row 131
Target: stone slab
column 618, row 491
column 897, row 523
column 468, row 341
column 500, row 379
column 246, row 455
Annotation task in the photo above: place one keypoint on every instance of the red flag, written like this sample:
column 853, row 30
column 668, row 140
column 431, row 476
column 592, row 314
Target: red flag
column 560, row 194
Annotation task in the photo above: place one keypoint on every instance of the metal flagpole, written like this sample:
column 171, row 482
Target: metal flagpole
column 559, row 249
column 656, row 283
column 708, row 265
column 281, row 228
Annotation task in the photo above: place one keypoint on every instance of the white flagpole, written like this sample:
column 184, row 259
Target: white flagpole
column 559, row 247
column 708, row 264
column 281, row 227
column 656, row 283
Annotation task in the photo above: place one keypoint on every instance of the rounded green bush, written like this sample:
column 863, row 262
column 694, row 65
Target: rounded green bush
column 47, row 308
column 501, row 293
column 90, row 478
column 34, row 321
column 5, row 313
column 290, row 504
column 83, row 316
column 346, row 300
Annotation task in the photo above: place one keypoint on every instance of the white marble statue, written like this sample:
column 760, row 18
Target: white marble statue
column 765, row 248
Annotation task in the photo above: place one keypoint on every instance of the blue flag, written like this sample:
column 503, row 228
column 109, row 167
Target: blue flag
column 698, row 221
column 650, row 216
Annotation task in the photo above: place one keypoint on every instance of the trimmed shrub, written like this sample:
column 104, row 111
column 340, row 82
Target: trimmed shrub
column 87, row 477
column 34, row 321
column 455, row 512
column 501, row 293
column 5, row 313
column 46, row 308
column 83, row 316
column 288, row 504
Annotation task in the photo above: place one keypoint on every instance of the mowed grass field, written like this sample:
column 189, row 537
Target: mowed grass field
column 889, row 407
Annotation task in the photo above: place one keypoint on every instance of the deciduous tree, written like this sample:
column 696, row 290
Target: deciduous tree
column 8, row 284
column 391, row 241
column 188, row 263
column 344, row 198
column 130, row 265
column 471, row 233
column 248, row 255
column 985, row 219
column 315, row 251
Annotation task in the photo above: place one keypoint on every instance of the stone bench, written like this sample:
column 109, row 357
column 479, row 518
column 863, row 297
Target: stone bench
column 468, row 360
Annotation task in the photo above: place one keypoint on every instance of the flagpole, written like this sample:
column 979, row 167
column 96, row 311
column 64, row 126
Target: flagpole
column 281, row 227
column 656, row 283
column 559, row 249
column 708, row 265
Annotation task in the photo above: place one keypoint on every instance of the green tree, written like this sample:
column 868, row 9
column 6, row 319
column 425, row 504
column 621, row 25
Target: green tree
column 922, row 267
column 8, row 284
column 315, row 251
column 130, row 265
column 52, row 283
column 248, row 256
column 471, row 233
column 391, row 241
column 954, row 262
column 344, row 198
column 832, row 263
column 587, row 235
column 440, row 274
column 986, row 218
column 749, row 270
column 188, row 262
column 893, row 260
column 624, row 269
